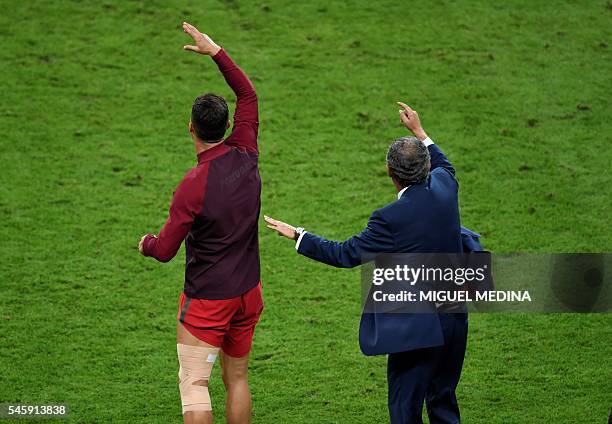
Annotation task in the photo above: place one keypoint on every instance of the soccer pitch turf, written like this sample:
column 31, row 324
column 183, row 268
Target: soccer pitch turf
column 95, row 104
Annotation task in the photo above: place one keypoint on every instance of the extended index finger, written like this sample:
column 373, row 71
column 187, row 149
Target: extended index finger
column 405, row 106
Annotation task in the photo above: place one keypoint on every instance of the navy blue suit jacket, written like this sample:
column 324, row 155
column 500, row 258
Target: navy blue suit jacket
column 424, row 219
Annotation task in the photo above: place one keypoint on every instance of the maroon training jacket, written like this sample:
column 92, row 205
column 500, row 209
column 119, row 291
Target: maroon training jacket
column 215, row 208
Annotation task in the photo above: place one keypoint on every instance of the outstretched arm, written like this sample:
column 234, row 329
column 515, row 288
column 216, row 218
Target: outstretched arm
column 410, row 119
column 246, row 124
column 374, row 239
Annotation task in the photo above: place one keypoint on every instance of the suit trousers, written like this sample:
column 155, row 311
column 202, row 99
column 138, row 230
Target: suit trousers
column 430, row 375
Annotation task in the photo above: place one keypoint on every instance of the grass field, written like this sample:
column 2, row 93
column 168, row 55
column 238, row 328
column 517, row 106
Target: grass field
column 93, row 122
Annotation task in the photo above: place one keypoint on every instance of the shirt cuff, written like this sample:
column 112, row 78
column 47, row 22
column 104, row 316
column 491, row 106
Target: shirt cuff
column 222, row 59
column 428, row 141
column 147, row 245
column 299, row 240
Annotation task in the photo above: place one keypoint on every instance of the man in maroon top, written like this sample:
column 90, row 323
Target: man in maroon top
column 215, row 210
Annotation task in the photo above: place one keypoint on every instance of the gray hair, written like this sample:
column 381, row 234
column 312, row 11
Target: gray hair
column 408, row 161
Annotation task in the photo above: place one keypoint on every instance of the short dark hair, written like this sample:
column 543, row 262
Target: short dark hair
column 408, row 160
column 209, row 115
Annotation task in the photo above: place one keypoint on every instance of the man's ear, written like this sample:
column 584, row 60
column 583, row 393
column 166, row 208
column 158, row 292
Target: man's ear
column 229, row 123
column 389, row 173
column 191, row 129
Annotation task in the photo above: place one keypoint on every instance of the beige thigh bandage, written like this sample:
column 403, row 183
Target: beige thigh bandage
column 196, row 364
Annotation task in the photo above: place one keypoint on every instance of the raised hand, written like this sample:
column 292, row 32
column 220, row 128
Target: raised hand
column 281, row 228
column 203, row 43
column 410, row 119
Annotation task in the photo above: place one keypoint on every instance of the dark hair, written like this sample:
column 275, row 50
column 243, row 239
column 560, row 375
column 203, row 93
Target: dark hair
column 408, row 160
column 209, row 115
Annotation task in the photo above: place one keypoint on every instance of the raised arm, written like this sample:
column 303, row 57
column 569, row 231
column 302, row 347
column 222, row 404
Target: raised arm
column 246, row 124
column 410, row 119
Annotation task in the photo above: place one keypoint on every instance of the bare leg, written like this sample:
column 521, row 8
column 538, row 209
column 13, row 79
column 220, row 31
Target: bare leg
column 238, row 404
column 185, row 337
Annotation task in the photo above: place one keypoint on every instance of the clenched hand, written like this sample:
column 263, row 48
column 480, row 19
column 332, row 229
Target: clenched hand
column 410, row 119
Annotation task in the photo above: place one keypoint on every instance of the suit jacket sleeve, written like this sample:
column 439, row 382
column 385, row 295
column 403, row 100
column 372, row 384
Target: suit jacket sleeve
column 376, row 238
column 439, row 159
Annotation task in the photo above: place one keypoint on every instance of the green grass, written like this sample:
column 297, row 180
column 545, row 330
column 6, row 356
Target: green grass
column 93, row 123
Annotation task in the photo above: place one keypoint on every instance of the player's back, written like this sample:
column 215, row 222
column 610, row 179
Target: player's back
column 222, row 249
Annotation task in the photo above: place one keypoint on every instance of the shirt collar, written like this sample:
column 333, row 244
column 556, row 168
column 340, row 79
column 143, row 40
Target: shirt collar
column 212, row 153
column 399, row 195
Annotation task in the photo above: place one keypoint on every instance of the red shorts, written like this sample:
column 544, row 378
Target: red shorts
column 225, row 323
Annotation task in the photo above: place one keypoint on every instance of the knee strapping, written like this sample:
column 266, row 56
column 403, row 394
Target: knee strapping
column 196, row 363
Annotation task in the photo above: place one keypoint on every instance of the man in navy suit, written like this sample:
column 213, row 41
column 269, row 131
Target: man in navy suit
column 426, row 350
